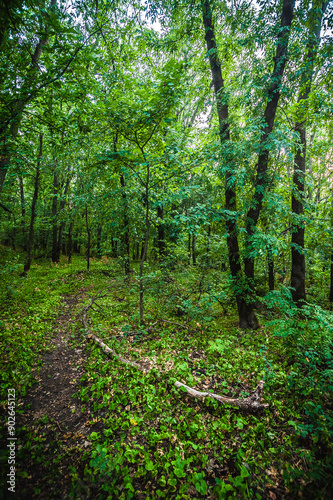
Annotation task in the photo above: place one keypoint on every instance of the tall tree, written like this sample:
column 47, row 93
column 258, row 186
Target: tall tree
column 298, row 192
column 33, row 208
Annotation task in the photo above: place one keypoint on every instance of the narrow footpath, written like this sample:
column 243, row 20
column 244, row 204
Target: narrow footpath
column 54, row 427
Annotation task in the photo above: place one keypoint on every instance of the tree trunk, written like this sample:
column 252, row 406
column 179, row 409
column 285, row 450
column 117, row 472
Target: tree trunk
column 160, row 234
column 33, row 209
column 273, row 97
column 12, row 114
column 62, row 223
column 54, row 218
column 246, row 314
column 70, row 242
column 125, row 243
column 270, row 261
column 145, row 248
column 76, row 246
column 297, row 281
column 194, row 254
column 125, row 234
column 114, row 247
column 99, row 240
column 22, row 210
column 331, row 280
column 88, row 239
column 208, row 245
column 189, row 248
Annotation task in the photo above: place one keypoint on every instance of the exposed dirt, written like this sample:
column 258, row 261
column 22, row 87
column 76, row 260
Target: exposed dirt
column 54, row 427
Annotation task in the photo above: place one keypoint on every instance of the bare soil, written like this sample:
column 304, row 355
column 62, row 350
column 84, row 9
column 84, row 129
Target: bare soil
column 54, row 427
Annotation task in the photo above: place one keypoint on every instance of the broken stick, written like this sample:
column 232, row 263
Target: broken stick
column 252, row 402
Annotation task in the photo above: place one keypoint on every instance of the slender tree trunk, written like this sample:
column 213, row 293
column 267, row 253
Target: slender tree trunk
column 247, row 318
column 145, row 248
column 298, row 193
column 22, row 210
column 54, row 217
column 12, row 114
column 297, row 280
column 160, row 234
column 331, row 275
column 76, row 247
column 273, row 97
column 62, row 223
column 208, row 245
column 88, row 239
column 114, row 248
column 125, row 235
column 194, row 253
column 99, row 241
column 125, row 243
column 70, row 242
column 33, row 209
column 331, row 280
column 189, row 248
column 270, row 261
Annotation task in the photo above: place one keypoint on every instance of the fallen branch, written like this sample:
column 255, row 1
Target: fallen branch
column 106, row 349
column 250, row 403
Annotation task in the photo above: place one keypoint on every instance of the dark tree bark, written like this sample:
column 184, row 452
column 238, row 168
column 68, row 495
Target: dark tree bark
column 331, row 280
column 22, row 199
column 54, row 218
column 88, row 238
column 99, row 240
column 273, row 96
column 11, row 114
column 70, row 242
column 76, row 246
column 194, row 253
column 114, row 248
column 62, row 223
column 145, row 248
column 247, row 318
column 160, row 234
column 125, row 234
column 189, row 248
column 33, row 209
column 271, row 280
column 298, row 193
column 125, row 242
column 208, row 245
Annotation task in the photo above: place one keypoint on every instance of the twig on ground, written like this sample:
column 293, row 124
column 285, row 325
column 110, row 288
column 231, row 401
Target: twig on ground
column 252, row 402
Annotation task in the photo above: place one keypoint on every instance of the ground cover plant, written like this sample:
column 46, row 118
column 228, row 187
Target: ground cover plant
column 145, row 438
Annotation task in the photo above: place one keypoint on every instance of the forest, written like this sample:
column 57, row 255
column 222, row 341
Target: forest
column 166, row 249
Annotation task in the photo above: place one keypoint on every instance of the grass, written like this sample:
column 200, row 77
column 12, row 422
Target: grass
column 154, row 441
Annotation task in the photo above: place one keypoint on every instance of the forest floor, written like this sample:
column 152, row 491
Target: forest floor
column 90, row 427
column 53, row 414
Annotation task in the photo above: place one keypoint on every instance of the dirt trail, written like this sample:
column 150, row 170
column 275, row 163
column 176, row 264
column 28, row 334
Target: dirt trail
column 55, row 426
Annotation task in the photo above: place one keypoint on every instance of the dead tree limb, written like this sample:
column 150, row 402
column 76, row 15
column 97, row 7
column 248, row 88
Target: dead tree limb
column 250, row 403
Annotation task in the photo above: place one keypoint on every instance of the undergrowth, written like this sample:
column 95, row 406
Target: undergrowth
column 153, row 440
